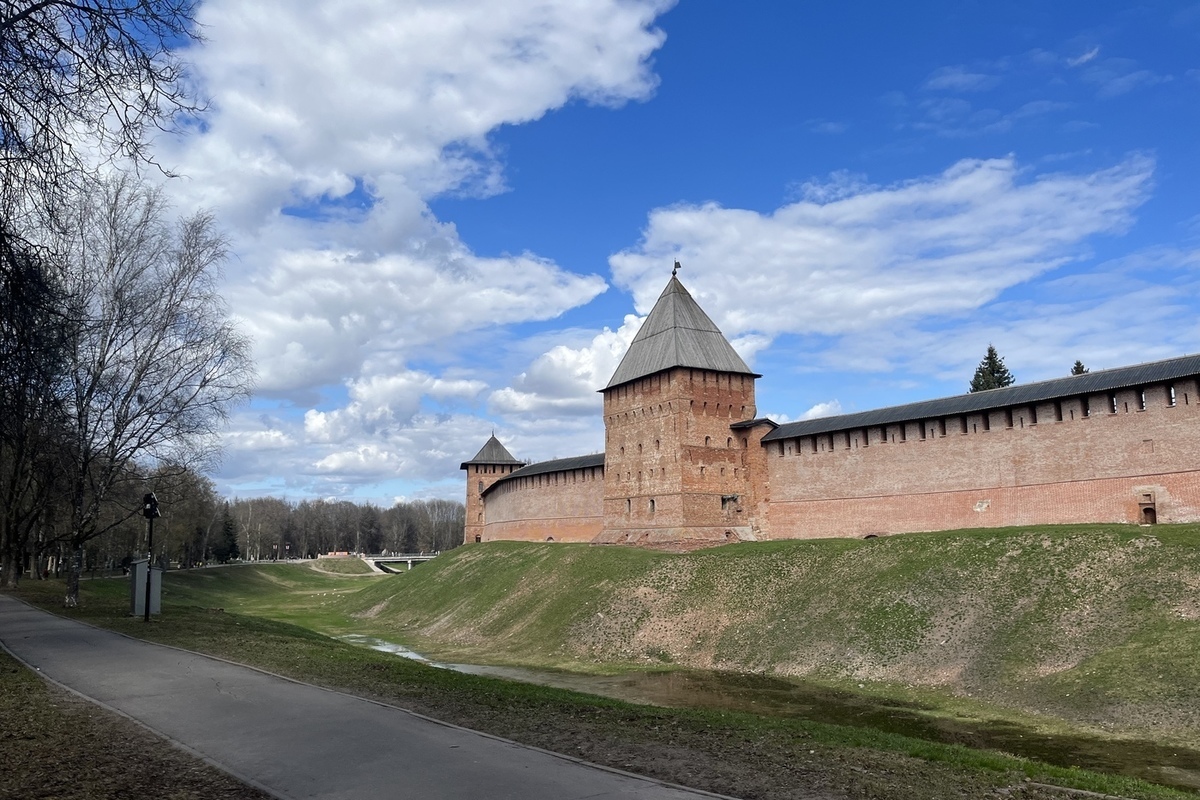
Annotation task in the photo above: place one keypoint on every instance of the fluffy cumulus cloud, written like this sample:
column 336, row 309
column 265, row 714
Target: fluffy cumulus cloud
column 868, row 268
column 330, row 128
column 565, row 380
column 853, row 257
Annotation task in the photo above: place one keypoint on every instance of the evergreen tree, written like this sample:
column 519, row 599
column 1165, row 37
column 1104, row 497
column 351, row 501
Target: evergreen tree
column 226, row 549
column 991, row 373
column 1079, row 368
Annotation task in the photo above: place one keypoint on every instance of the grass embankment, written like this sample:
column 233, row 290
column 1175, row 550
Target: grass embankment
column 733, row 753
column 1096, row 625
column 345, row 565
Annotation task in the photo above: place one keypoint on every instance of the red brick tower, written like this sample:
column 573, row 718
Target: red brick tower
column 489, row 465
column 681, row 439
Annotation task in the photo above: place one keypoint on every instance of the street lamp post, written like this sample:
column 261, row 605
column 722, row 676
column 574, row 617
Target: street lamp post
column 149, row 511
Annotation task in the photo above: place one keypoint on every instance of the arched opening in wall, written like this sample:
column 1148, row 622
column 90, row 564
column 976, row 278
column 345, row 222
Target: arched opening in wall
column 652, row 505
column 871, row 536
column 1149, row 515
column 478, row 538
column 628, row 505
column 549, row 538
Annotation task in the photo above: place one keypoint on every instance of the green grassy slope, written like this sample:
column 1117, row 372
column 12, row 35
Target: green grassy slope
column 1095, row 624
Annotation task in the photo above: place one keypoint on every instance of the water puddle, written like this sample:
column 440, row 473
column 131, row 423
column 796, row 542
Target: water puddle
column 760, row 694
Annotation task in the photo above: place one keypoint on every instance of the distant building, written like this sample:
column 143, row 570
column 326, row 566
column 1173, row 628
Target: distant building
column 688, row 463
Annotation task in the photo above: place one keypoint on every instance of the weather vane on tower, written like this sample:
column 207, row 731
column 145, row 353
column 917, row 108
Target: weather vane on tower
column 678, row 267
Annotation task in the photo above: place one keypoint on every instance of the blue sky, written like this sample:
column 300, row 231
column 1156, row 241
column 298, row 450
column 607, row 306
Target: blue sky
column 449, row 218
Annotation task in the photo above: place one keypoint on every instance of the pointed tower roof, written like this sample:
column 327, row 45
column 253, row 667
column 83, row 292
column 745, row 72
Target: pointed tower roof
column 677, row 334
column 492, row 453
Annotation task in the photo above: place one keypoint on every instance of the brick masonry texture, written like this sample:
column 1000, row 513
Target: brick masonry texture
column 556, row 506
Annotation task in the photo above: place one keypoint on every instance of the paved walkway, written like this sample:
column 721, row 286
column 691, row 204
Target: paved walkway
column 296, row 740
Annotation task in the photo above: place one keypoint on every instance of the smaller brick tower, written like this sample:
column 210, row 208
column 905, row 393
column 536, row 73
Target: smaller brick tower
column 489, row 465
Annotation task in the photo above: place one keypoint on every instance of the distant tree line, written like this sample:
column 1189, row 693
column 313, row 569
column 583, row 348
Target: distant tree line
column 199, row 527
column 273, row 528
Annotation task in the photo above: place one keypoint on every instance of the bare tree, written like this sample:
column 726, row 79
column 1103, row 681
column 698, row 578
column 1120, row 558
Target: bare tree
column 86, row 79
column 82, row 82
column 155, row 361
column 33, row 337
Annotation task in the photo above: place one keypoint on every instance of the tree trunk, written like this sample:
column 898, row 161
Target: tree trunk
column 10, row 570
column 73, row 576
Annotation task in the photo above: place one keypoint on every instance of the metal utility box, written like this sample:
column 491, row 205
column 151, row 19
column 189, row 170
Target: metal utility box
column 137, row 589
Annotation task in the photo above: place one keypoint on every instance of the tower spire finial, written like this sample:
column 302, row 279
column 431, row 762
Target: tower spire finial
column 678, row 267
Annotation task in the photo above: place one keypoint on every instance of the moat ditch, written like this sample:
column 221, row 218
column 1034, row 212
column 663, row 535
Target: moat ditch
column 1168, row 765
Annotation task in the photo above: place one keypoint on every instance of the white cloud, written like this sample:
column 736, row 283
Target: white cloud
column 827, row 409
column 1114, row 77
column 566, row 380
column 331, row 127
column 959, row 79
column 1084, row 58
column 938, row 246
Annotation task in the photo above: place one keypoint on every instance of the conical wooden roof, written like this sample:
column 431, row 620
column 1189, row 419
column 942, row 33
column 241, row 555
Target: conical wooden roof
column 677, row 334
column 492, row 453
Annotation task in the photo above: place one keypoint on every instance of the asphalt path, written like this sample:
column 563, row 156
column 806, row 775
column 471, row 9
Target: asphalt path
column 295, row 740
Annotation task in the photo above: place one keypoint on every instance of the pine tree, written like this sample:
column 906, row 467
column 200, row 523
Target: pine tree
column 991, row 373
column 1079, row 368
column 226, row 548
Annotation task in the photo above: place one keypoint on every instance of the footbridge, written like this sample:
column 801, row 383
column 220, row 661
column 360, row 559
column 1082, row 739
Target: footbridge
column 390, row 563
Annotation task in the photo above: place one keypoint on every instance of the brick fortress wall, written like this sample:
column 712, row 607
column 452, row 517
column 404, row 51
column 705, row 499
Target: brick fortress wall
column 1127, row 456
column 564, row 506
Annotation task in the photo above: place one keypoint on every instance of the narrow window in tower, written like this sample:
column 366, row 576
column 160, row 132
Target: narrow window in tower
column 1112, row 403
column 729, row 442
column 1008, row 418
column 1033, row 415
column 1058, row 417
column 921, row 428
column 707, row 440
column 942, row 426
column 628, row 505
column 1170, row 395
column 904, row 432
column 963, row 420
column 987, row 420
column 1141, row 399
column 1085, row 406
column 651, row 506
column 656, row 444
